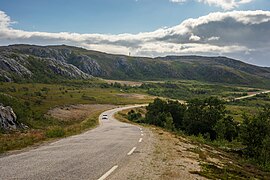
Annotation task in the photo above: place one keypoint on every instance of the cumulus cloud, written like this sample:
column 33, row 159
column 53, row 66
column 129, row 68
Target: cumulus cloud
column 224, row 4
column 213, row 38
column 240, row 34
column 194, row 38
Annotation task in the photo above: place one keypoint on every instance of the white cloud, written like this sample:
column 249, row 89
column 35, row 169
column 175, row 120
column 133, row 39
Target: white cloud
column 221, row 33
column 213, row 38
column 194, row 38
column 224, row 4
column 4, row 20
column 178, row 1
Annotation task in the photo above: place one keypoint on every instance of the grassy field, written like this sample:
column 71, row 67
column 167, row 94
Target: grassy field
column 31, row 103
column 184, row 89
column 249, row 106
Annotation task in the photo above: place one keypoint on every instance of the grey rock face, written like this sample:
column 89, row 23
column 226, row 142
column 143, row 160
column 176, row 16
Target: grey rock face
column 87, row 65
column 8, row 119
column 11, row 66
column 26, row 62
column 44, row 52
column 67, row 70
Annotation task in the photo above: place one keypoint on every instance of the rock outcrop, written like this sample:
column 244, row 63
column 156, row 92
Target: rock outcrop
column 8, row 119
column 57, row 63
column 16, row 66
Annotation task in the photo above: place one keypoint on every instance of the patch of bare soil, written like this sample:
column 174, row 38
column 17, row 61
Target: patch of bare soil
column 133, row 95
column 77, row 112
column 129, row 83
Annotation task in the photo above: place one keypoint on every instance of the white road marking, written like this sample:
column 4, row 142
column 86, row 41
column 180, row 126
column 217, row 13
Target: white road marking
column 131, row 151
column 141, row 131
column 141, row 134
column 140, row 140
column 108, row 173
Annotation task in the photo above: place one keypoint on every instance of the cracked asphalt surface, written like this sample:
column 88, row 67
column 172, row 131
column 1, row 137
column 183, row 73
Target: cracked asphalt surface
column 84, row 156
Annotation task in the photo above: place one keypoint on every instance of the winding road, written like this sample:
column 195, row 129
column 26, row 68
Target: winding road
column 252, row 95
column 95, row 154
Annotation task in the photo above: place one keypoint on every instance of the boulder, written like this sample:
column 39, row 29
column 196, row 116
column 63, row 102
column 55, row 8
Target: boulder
column 8, row 119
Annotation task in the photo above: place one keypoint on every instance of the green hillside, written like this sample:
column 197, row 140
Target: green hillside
column 53, row 62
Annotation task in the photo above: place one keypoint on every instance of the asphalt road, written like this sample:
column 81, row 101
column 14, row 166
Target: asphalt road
column 252, row 95
column 91, row 155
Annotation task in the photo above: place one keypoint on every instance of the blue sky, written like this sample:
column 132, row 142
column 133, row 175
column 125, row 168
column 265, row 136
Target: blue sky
column 236, row 28
column 107, row 16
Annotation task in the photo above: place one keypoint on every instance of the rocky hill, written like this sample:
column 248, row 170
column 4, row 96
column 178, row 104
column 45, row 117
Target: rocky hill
column 39, row 63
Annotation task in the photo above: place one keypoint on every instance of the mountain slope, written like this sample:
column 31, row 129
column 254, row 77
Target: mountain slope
column 18, row 62
column 19, row 66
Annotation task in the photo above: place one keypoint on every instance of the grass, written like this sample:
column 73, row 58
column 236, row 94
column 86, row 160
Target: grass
column 31, row 102
column 19, row 140
column 186, row 89
column 249, row 106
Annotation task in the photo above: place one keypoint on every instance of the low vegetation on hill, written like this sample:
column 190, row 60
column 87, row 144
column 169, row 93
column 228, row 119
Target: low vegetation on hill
column 55, row 63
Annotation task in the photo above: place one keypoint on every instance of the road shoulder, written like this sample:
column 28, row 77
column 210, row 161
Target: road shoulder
column 160, row 156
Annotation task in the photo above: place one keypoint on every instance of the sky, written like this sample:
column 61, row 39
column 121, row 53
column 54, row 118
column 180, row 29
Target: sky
column 238, row 29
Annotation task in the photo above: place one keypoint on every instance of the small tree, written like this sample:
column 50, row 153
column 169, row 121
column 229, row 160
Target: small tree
column 154, row 110
column 255, row 133
column 177, row 111
column 202, row 116
column 226, row 128
column 168, row 123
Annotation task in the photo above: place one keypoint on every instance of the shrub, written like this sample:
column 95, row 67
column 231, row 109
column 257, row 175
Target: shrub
column 54, row 132
column 134, row 116
column 89, row 98
column 226, row 128
column 255, row 133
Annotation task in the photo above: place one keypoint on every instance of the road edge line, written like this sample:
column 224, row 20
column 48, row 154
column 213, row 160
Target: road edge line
column 131, row 151
column 108, row 173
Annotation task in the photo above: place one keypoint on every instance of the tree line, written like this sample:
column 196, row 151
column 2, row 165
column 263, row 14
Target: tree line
column 209, row 118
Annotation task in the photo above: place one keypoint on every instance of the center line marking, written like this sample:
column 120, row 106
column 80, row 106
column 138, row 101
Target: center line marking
column 140, row 140
column 108, row 173
column 141, row 134
column 132, row 150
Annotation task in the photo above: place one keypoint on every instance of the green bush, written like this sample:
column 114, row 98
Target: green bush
column 134, row 116
column 255, row 135
column 168, row 114
column 54, row 132
column 88, row 98
column 226, row 128
column 202, row 116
